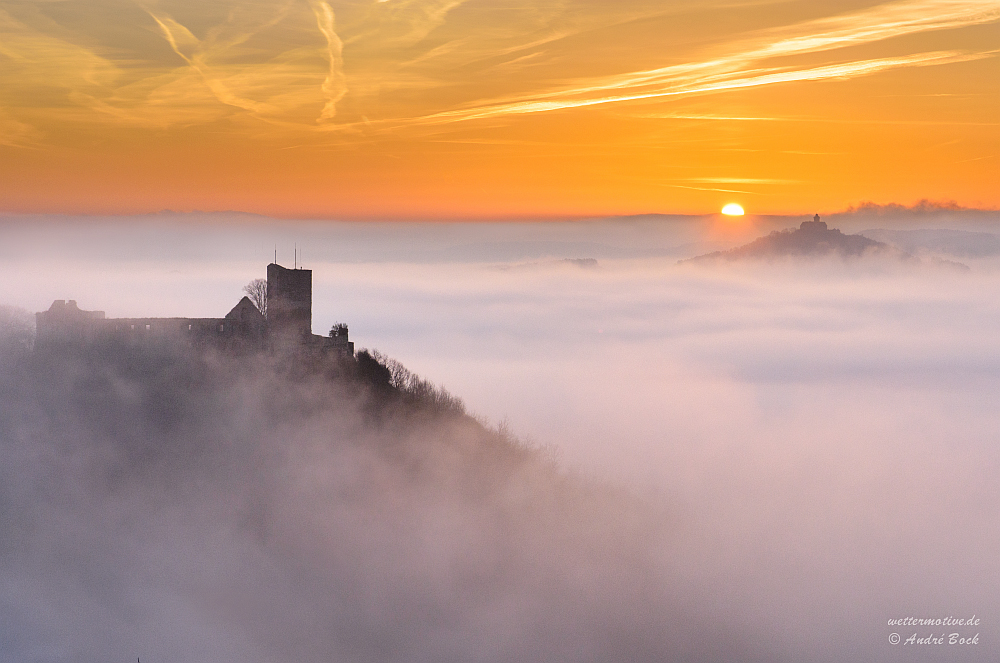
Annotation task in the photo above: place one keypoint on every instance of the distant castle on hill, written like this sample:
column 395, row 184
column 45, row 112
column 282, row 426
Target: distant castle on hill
column 284, row 323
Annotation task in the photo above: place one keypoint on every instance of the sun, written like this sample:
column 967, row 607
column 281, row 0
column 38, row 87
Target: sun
column 732, row 209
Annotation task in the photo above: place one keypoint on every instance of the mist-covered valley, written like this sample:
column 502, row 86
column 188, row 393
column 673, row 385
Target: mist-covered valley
column 749, row 461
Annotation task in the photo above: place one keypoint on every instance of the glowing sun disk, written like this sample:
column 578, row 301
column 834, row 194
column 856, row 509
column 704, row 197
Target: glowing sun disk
column 732, row 209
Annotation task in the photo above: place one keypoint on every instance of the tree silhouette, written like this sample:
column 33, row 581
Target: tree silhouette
column 256, row 290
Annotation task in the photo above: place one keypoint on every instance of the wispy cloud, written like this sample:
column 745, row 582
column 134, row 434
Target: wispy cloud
column 293, row 69
column 218, row 75
column 393, row 24
column 335, row 85
column 706, row 116
column 34, row 53
column 703, row 188
column 741, row 68
column 223, row 81
column 812, row 119
column 739, row 180
column 876, row 24
column 579, row 98
column 15, row 133
column 872, row 25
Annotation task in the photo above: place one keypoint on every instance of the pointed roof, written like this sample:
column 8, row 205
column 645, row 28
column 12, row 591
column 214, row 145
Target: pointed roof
column 243, row 309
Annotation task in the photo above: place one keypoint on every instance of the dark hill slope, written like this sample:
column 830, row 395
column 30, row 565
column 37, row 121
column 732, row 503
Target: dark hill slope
column 810, row 240
column 204, row 507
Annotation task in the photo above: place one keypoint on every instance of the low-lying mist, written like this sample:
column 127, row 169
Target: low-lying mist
column 191, row 507
column 750, row 461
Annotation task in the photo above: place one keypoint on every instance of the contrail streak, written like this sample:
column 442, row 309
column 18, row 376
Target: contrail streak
column 171, row 29
column 734, row 71
column 335, row 84
column 846, row 70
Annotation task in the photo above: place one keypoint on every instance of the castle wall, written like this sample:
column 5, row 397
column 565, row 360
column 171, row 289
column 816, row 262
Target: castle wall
column 65, row 322
column 288, row 324
column 137, row 330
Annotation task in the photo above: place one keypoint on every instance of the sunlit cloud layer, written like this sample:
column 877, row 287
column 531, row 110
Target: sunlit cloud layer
column 366, row 92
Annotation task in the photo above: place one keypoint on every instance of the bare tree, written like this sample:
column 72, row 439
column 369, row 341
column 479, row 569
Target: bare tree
column 408, row 382
column 257, row 292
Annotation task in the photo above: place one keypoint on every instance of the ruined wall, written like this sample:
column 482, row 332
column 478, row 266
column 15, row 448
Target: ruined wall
column 288, row 324
column 65, row 322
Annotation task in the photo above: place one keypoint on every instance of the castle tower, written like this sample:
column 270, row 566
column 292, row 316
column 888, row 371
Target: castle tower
column 289, row 302
column 813, row 226
column 66, row 323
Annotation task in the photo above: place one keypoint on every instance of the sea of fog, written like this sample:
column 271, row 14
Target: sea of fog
column 822, row 435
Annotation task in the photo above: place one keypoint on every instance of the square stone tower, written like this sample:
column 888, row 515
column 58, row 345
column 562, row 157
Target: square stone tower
column 289, row 303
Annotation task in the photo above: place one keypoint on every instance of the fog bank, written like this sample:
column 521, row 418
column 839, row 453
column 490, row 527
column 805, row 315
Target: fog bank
column 794, row 453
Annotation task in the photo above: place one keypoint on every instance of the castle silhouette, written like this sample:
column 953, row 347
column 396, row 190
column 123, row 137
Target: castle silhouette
column 286, row 326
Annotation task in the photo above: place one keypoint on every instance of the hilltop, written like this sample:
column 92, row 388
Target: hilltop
column 811, row 239
column 307, row 506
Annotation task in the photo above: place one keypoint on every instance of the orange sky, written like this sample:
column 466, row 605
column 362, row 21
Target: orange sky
column 493, row 108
